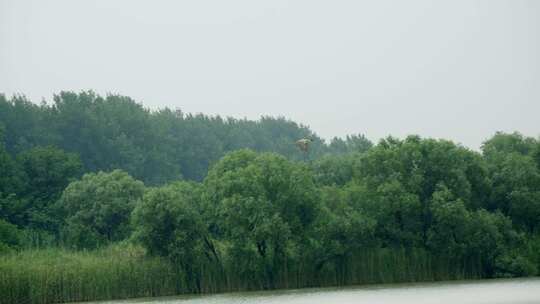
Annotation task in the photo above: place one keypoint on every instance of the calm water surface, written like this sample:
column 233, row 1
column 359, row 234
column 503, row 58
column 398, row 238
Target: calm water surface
column 514, row 291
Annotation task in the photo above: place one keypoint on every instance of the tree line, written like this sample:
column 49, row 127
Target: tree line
column 212, row 194
column 153, row 146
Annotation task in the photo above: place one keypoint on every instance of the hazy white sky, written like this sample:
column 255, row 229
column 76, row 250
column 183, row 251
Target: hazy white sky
column 446, row 69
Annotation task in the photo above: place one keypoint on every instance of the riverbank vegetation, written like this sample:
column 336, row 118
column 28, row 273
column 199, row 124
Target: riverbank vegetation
column 101, row 198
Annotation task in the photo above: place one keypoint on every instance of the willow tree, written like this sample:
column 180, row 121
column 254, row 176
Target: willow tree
column 262, row 205
column 98, row 207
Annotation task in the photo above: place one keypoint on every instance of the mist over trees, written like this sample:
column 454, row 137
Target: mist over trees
column 115, row 132
column 208, row 193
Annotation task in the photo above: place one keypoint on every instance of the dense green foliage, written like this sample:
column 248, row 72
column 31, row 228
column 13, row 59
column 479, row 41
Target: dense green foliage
column 56, row 275
column 115, row 132
column 97, row 208
column 223, row 204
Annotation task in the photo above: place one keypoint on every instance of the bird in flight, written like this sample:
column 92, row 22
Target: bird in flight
column 303, row 144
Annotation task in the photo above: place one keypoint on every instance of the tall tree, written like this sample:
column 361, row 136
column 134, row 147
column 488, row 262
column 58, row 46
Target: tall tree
column 47, row 171
column 168, row 223
column 264, row 204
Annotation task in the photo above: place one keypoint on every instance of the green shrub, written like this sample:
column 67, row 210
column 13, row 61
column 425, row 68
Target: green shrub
column 9, row 236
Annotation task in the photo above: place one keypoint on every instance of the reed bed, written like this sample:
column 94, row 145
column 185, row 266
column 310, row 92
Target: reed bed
column 57, row 275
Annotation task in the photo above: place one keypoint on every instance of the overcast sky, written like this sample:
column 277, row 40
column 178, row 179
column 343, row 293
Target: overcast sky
column 447, row 69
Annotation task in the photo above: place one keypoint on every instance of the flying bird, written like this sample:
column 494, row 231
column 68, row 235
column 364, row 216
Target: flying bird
column 303, row 144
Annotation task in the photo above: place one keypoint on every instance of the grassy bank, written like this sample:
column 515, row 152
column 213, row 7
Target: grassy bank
column 55, row 275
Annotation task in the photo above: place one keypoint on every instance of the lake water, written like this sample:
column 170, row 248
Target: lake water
column 512, row 291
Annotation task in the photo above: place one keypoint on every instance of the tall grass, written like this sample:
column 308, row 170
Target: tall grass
column 56, row 275
column 370, row 266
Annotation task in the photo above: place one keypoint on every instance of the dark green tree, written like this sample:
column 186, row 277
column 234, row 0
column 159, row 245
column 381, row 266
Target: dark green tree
column 9, row 236
column 516, row 189
column 98, row 208
column 168, row 223
column 12, row 206
column 334, row 169
column 351, row 144
column 341, row 229
column 47, row 172
column 504, row 143
column 264, row 205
